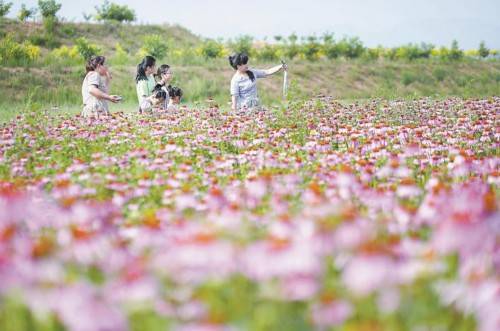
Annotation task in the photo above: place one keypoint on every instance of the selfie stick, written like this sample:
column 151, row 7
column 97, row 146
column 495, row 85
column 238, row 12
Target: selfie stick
column 285, row 81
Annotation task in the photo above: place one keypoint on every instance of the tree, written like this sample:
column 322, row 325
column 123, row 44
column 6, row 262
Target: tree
column 112, row 12
column 25, row 13
column 4, row 8
column 483, row 51
column 455, row 52
column 48, row 8
column 87, row 17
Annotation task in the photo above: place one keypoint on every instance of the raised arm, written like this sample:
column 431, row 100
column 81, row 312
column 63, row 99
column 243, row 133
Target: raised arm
column 274, row 70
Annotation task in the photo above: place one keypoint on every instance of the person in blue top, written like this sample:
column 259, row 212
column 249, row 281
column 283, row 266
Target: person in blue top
column 244, row 82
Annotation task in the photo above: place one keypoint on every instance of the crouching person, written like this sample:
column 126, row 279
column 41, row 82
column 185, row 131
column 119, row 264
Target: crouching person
column 175, row 95
column 95, row 88
column 157, row 99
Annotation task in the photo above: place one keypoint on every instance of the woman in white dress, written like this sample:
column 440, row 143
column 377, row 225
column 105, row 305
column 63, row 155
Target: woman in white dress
column 95, row 88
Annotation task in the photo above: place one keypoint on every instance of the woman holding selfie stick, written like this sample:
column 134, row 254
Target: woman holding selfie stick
column 244, row 82
column 95, row 88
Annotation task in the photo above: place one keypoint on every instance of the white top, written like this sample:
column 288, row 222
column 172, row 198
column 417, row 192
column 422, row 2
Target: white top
column 245, row 89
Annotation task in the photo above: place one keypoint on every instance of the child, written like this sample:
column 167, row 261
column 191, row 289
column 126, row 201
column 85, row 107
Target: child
column 157, row 98
column 95, row 88
column 175, row 94
column 164, row 76
column 145, row 81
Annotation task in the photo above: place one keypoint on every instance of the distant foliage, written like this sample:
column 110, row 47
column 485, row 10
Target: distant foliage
column 12, row 52
column 65, row 52
column 292, row 49
column 85, row 48
column 330, row 48
column 211, row 49
column 242, row 44
column 351, row 48
column 87, row 17
column 155, row 45
column 48, row 8
column 25, row 13
column 268, row 52
column 483, row 51
column 112, row 12
column 121, row 56
column 413, row 51
column 455, row 52
column 4, row 8
column 311, row 49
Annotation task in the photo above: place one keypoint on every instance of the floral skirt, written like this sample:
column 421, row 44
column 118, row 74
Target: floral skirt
column 95, row 108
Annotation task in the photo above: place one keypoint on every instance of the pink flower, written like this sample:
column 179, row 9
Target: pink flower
column 331, row 314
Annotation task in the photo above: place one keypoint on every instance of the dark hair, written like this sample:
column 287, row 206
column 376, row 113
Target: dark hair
column 174, row 91
column 93, row 62
column 158, row 92
column 238, row 59
column 148, row 61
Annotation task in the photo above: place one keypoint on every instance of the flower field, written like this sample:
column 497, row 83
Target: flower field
column 368, row 216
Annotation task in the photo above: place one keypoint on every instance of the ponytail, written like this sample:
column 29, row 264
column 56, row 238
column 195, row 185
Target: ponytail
column 238, row 59
column 148, row 61
column 163, row 69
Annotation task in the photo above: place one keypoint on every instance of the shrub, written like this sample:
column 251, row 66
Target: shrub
column 113, row 12
column 331, row 49
column 483, row 51
column 268, row 52
column 155, row 45
column 414, row 51
column 374, row 53
column 65, row 52
column 25, row 13
column 311, row 49
column 291, row 48
column 351, row 47
column 211, row 49
column 4, row 8
column 12, row 52
column 50, row 23
column 408, row 78
column 44, row 40
column 121, row 56
column 85, row 48
column 439, row 74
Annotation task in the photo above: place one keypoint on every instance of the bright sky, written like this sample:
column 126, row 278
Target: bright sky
column 385, row 22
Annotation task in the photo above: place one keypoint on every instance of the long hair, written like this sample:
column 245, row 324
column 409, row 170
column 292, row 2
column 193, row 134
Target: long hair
column 93, row 62
column 148, row 61
column 163, row 69
column 238, row 59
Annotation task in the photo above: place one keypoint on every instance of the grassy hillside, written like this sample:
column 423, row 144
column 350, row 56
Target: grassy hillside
column 105, row 35
column 57, row 82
